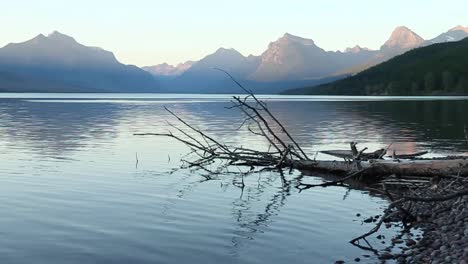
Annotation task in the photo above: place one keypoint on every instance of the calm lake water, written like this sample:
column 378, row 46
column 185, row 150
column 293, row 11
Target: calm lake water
column 72, row 192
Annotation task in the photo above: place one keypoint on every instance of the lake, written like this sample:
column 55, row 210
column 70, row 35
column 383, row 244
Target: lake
column 77, row 187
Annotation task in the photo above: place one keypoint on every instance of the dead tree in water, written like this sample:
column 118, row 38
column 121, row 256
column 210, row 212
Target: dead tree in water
column 259, row 121
column 284, row 151
column 289, row 154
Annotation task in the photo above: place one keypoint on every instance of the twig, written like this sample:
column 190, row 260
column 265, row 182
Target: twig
column 385, row 151
column 263, row 106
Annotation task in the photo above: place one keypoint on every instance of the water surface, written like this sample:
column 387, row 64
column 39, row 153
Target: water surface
column 72, row 190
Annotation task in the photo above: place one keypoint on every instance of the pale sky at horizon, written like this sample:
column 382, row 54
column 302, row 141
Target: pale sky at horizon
column 145, row 32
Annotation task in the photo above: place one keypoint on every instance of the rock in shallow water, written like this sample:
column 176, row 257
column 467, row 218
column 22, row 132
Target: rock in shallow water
column 410, row 242
column 386, row 255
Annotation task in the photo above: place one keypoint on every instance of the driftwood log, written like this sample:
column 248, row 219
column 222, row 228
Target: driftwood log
column 375, row 168
column 378, row 154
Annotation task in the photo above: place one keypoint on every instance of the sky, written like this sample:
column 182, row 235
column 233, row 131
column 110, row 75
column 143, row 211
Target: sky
column 149, row 32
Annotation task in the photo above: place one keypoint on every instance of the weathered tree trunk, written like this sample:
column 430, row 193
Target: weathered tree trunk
column 374, row 168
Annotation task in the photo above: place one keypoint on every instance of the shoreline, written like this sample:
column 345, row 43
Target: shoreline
column 444, row 226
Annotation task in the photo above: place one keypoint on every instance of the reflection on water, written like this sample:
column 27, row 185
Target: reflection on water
column 72, row 193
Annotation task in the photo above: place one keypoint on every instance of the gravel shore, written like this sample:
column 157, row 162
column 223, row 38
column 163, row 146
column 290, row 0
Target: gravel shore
column 445, row 238
column 444, row 225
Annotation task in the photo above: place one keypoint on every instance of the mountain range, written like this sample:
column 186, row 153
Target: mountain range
column 58, row 63
column 290, row 61
column 437, row 69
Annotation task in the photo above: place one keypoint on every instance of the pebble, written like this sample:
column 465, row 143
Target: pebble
column 436, row 244
column 410, row 242
column 435, row 253
column 386, row 255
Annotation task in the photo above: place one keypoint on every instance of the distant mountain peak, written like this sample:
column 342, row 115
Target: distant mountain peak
column 402, row 28
column 165, row 69
column 402, row 38
column 186, row 64
column 454, row 34
column 224, row 49
column 459, row 28
column 227, row 52
column 287, row 38
column 54, row 37
column 356, row 49
column 37, row 39
column 40, row 36
column 55, row 33
column 57, row 36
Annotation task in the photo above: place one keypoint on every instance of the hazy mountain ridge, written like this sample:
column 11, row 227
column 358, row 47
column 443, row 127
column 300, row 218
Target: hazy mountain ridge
column 202, row 76
column 436, row 69
column 58, row 49
column 58, row 63
column 291, row 60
